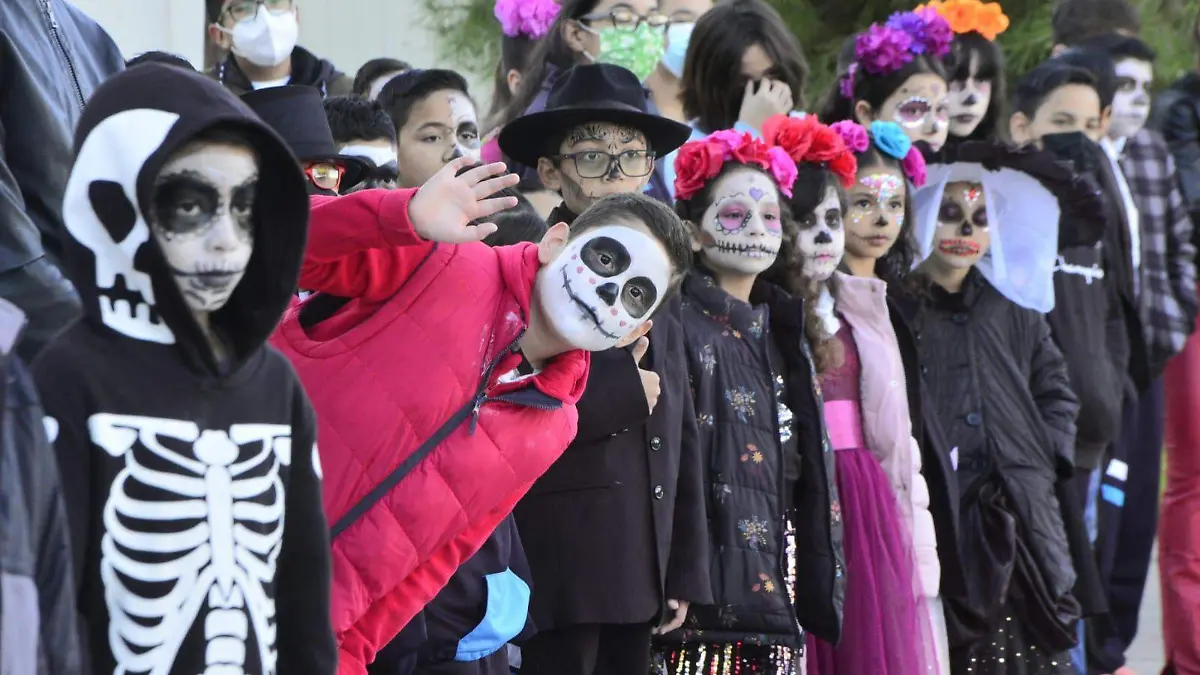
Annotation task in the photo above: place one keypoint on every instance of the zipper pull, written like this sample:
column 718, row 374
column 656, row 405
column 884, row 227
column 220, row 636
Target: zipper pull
column 479, row 401
column 50, row 13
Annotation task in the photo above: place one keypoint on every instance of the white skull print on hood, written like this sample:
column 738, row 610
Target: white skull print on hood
column 133, row 126
column 604, row 285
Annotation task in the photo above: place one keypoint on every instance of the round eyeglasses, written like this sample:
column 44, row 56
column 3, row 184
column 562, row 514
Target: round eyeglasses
column 598, row 164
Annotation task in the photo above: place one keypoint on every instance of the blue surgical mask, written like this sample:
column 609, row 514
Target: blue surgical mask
column 678, row 35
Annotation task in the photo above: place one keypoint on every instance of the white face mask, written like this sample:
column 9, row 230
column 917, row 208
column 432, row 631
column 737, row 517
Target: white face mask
column 202, row 220
column 1131, row 104
column 741, row 231
column 822, row 239
column 603, row 286
column 267, row 39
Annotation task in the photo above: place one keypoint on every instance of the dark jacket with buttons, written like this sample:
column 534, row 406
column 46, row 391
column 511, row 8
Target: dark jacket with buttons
column 999, row 385
column 616, row 526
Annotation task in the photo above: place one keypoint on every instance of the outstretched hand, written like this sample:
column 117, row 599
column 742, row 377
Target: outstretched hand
column 446, row 204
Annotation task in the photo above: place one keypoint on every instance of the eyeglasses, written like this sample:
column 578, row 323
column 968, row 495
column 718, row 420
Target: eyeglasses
column 597, row 164
column 625, row 18
column 240, row 10
column 325, row 175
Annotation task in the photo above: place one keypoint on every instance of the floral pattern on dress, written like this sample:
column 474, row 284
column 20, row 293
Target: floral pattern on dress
column 753, row 454
column 765, row 584
column 742, row 401
column 756, row 531
column 708, row 359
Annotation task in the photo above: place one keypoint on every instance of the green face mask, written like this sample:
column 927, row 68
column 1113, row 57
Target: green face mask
column 636, row 49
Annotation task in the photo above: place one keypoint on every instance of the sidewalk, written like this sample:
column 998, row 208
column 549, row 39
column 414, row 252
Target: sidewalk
column 1145, row 656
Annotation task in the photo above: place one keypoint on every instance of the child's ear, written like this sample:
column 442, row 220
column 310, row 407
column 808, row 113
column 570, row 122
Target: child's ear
column 549, row 174
column 1105, row 120
column 552, row 243
column 694, row 236
column 862, row 113
column 1018, row 128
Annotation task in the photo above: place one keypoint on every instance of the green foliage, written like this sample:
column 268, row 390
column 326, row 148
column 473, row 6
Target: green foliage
column 469, row 34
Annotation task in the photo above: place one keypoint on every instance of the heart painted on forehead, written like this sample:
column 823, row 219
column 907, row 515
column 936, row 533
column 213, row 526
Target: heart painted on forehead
column 757, row 193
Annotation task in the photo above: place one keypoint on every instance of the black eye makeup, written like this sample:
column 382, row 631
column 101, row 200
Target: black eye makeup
column 605, row 256
column 639, row 296
column 186, row 203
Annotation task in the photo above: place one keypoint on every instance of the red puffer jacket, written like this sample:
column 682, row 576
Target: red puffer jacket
column 428, row 334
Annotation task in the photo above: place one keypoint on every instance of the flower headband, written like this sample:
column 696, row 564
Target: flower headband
column 807, row 141
column 698, row 162
column 891, row 141
column 966, row 16
column 526, row 18
column 882, row 50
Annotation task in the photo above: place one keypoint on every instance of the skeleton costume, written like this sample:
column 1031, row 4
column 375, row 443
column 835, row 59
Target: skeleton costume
column 181, row 470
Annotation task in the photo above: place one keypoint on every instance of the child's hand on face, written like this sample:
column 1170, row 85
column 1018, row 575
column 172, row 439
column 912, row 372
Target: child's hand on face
column 444, row 207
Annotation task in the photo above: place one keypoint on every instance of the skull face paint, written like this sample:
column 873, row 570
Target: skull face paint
column 822, row 239
column 582, row 178
column 441, row 127
column 962, row 235
column 201, row 218
column 919, row 106
column 1131, row 104
column 968, row 101
column 741, row 231
column 604, row 285
column 876, row 212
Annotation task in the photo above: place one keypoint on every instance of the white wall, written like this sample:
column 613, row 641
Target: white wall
column 347, row 32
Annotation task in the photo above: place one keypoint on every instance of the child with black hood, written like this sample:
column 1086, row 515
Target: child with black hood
column 186, row 444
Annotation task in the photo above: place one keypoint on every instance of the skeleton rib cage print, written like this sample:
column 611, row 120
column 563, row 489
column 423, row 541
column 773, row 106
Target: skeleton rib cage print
column 193, row 528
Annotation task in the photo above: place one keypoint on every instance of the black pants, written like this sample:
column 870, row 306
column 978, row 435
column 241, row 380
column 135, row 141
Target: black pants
column 1128, row 531
column 609, row 649
column 496, row 664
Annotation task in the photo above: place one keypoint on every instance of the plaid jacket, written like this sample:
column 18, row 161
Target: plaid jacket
column 1167, row 302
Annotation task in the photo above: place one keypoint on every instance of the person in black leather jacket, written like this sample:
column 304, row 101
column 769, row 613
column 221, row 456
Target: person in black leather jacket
column 51, row 58
column 36, row 579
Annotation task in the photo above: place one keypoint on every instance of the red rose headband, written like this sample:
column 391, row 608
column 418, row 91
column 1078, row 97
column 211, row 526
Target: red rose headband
column 807, row 141
column 698, row 162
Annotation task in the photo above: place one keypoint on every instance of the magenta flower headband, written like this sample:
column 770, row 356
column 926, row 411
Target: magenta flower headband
column 882, row 50
column 526, row 18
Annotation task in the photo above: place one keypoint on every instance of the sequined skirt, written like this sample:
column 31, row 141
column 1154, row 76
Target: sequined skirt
column 1007, row 652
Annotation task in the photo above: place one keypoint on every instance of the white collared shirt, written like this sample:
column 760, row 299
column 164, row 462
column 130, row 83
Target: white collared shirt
column 1114, row 149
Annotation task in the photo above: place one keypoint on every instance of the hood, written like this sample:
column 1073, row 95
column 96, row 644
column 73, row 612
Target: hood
column 1188, row 84
column 129, row 129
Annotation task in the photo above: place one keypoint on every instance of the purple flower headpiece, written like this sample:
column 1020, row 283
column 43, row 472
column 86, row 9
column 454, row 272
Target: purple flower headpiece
column 526, row 18
column 882, row 50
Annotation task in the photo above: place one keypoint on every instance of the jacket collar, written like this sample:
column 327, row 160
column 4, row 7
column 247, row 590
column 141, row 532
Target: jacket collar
column 307, row 69
column 565, row 376
column 860, row 297
column 561, row 214
column 700, row 290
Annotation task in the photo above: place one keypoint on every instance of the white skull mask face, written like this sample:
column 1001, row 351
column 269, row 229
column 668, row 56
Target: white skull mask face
column 822, row 239
column 1131, row 104
column 604, row 285
column 201, row 218
column 741, row 230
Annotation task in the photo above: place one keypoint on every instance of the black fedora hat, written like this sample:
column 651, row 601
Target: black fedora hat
column 589, row 93
column 297, row 113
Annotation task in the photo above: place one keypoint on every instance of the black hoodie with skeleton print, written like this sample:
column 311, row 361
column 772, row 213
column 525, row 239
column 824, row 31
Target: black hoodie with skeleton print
column 180, row 469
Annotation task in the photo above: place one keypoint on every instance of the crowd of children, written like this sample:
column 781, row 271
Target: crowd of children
column 648, row 371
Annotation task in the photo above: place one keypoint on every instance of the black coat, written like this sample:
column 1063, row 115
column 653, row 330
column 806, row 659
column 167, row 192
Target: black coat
column 616, row 525
column 1000, row 388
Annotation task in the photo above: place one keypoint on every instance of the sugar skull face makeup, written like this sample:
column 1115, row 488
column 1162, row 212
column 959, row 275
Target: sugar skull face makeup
column 968, row 101
column 741, row 230
column 962, row 235
column 604, row 285
column 876, row 212
column 1131, row 104
column 201, row 218
column 822, row 239
column 919, row 106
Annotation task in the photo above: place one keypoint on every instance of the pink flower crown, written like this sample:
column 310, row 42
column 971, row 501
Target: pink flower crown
column 882, row 50
column 526, row 18
column 698, row 162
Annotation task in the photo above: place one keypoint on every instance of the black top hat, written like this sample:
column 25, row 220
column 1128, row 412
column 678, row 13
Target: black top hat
column 590, row 93
column 297, row 113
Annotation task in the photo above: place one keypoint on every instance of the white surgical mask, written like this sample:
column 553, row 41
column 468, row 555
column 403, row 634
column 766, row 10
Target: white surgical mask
column 267, row 39
column 604, row 285
column 678, row 36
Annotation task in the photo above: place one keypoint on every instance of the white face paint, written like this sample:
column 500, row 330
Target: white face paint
column 1131, row 105
column 604, row 285
column 202, row 220
column 381, row 153
column 822, row 239
column 741, row 231
column 968, row 101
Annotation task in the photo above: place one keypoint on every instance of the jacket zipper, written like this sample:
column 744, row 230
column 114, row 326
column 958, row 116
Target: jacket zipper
column 62, row 49
column 783, row 522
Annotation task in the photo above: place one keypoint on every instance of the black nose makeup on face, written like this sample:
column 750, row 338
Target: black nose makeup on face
column 970, row 100
column 455, row 153
column 824, row 237
column 882, row 221
column 614, row 171
column 965, row 230
column 608, row 293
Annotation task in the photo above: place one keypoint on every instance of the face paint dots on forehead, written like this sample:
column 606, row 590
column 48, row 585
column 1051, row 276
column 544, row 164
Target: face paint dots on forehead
column 604, row 285
column 886, row 186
